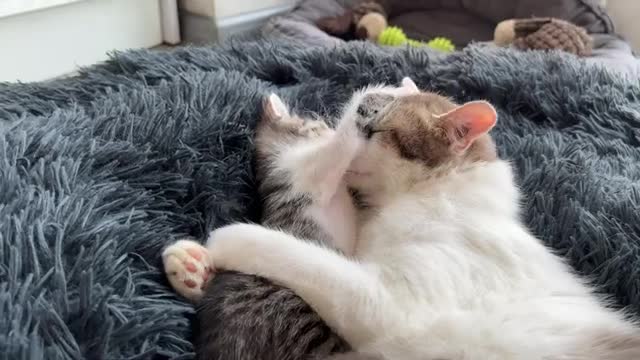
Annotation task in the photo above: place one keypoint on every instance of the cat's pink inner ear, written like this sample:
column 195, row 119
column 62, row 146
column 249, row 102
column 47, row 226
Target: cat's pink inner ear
column 277, row 107
column 468, row 122
column 409, row 85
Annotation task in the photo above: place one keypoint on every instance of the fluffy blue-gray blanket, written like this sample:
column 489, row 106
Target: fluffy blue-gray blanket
column 98, row 172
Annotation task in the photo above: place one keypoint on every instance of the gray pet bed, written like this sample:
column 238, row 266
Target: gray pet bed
column 463, row 22
column 100, row 171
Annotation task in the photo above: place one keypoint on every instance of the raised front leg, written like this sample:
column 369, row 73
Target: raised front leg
column 320, row 166
column 324, row 165
column 341, row 291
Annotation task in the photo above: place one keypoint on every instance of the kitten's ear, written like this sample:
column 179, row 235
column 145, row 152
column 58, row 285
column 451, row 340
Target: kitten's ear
column 409, row 85
column 467, row 122
column 274, row 107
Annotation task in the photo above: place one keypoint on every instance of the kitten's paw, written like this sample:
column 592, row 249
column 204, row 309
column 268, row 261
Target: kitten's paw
column 239, row 247
column 188, row 268
column 313, row 128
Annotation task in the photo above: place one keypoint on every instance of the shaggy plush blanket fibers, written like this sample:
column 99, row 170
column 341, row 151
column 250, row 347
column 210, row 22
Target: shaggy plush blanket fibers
column 98, row 172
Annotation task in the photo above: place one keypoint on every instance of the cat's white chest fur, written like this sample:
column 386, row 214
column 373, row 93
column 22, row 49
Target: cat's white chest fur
column 462, row 273
column 338, row 219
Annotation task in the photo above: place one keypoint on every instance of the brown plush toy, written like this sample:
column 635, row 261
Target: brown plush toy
column 365, row 20
column 544, row 34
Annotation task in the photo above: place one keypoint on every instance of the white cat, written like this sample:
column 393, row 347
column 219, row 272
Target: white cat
column 443, row 268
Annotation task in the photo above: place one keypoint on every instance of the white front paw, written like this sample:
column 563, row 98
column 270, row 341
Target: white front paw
column 233, row 246
column 314, row 128
column 349, row 126
column 188, row 268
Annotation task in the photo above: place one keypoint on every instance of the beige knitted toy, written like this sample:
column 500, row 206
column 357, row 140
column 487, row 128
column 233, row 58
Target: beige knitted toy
column 367, row 19
column 544, row 34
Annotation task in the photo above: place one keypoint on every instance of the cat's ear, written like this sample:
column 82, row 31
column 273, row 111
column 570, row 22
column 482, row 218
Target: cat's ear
column 274, row 107
column 467, row 122
column 409, row 85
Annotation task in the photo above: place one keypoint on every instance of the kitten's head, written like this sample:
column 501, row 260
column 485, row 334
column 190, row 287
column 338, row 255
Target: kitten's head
column 278, row 126
column 278, row 130
column 416, row 136
column 276, row 117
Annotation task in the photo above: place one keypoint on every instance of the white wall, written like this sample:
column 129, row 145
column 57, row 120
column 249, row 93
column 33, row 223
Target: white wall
column 624, row 14
column 12, row 7
column 52, row 42
column 224, row 8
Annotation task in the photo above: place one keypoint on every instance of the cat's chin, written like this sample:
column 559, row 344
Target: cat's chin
column 358, row 180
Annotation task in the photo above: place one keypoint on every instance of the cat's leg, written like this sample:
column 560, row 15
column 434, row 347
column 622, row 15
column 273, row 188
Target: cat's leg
column 188, row 268
column 345, row 295
column 319, row 167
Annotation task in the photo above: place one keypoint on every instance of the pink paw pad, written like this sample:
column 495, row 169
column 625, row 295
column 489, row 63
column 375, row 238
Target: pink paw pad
column 191, row 267
column 188, row 268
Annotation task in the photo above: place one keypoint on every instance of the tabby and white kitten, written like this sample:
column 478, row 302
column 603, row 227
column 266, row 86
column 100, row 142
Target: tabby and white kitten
column 300, row 165
column 443, row 267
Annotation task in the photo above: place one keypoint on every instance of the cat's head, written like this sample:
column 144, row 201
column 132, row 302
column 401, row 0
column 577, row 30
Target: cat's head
column 415, row 136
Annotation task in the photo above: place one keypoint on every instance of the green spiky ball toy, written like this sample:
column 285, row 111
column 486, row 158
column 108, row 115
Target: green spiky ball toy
column 394, row 36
